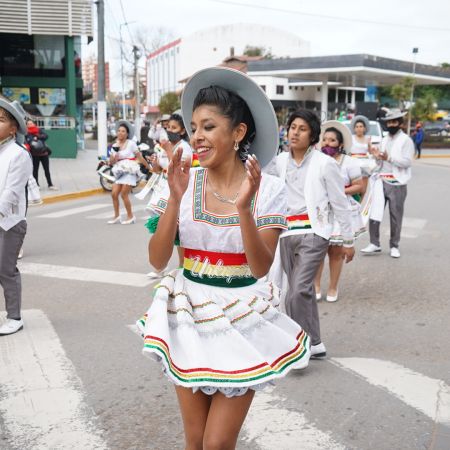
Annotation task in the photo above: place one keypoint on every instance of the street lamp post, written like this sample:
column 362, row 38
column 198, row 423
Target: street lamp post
column 414, row 51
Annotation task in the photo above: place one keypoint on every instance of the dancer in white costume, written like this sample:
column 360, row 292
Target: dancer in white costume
column 335, row 141
column 213, row 324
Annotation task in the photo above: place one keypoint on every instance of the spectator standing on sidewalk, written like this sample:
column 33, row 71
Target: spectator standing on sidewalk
column 418, row 139
column 15, row 169
column 35, row 141
column 158, row 130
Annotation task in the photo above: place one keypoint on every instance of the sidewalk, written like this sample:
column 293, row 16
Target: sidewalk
column 78, row 177
column 73, row 177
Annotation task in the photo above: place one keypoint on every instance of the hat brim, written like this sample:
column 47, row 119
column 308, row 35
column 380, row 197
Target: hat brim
column 348, row 140
column 265, row 144
column 393, row 116
column 16, row 113
column 127, row 125
column 360, row 118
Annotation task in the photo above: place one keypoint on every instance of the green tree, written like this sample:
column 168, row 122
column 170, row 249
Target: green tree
column 257, row 51
column 424, row 108
column 169, row 103
column 402, row 91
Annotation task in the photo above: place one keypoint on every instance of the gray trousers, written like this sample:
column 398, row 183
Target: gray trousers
column 301, row 256
column 396, row 196
column 10, row 243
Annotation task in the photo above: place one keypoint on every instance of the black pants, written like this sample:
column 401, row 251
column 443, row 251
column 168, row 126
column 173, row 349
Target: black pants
column 418, row 150
column 45, row 164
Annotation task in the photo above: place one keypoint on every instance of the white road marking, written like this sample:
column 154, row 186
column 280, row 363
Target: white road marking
column 73, row 211
column 412, row 222
column 42, row 402
column 83, row 274
column 411, row 228
column 429, row 395
column 273, row 427
column 109, row 214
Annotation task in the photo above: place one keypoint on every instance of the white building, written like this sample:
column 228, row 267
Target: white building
column 178, row 60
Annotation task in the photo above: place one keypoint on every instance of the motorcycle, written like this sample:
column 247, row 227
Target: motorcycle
column 104, row 169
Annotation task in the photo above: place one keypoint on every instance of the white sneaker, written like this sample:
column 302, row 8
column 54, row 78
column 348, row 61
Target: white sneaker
column 395, row 252
column 371, row 248
column 11, row 326
column 156, row 275
column 318, row 351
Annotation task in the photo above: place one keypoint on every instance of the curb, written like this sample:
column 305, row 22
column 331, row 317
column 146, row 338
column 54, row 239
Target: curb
column 72, row 195
column 435, row 156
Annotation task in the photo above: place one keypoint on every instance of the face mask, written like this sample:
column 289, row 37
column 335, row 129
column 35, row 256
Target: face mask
column 330, row 151
column 173, row 137
column 393, row 130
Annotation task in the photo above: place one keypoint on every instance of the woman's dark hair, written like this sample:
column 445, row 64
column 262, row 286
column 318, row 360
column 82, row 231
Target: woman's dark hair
column 337, row 133
column 177, row 118
column 360, row 121
column 234, row 108
column 311, row 119
column 10, row 117
column 126, row 128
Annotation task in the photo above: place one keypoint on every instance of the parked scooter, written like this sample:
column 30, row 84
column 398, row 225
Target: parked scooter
column 104, row 169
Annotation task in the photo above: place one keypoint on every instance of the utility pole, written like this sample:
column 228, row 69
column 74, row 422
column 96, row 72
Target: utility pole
column 124, row 114
column 414, row 51
column 101, row 102
column 137, row 96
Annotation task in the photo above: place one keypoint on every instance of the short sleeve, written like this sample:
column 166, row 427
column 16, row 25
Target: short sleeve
column 353, row 169
column 272, row 203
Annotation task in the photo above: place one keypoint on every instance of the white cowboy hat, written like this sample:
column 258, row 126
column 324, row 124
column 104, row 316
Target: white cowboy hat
column 16, row 110
column 164, row 117
column 265, row 144
column 360, row 118
column 393, row 114
column 348, row 141
column 127, row 125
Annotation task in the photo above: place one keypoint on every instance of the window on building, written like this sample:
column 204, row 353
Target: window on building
column 263, row 87
column 280, row 89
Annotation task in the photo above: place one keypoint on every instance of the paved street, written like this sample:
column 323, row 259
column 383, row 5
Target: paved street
column 75, row 377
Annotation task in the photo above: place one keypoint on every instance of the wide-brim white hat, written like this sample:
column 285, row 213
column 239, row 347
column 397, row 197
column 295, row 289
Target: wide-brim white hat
column 128, row 125
column 360, row 118
column 16, row 110
column 393, row 115
column 265, row 143
column 348, row 141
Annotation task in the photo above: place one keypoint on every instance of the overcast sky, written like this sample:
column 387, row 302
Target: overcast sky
column 388, row 28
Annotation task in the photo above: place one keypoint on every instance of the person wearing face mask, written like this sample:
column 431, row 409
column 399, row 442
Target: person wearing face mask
column 315, row 194
column 177, row 141
column 395, row 158
column 336, row 140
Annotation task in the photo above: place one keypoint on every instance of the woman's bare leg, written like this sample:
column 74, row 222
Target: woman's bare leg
column 126, row 189
column 194, row 412
column 116, row 188
column 336, row 263
column 225, row 419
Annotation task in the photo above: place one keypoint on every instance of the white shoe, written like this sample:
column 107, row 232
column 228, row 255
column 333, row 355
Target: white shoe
column 20, row 255
column 129, row 221
column 395, row 252
column 114, row 221
column 156, row 275
column 371, row 248
column 11, row 326
column 318, row 296
column 53, row 188
column 332, row 298
column 318, row 351
column 35, row 202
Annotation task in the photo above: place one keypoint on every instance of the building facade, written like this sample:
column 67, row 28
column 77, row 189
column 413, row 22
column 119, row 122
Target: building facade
column 40, row 64
column 178, row 60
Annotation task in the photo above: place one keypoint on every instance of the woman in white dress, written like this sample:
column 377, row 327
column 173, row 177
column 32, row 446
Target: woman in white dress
column 335, row 140
column 124, row 156
column 213, row 324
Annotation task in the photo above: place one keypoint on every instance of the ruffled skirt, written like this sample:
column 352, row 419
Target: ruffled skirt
column 227, row 339
column 358, row 227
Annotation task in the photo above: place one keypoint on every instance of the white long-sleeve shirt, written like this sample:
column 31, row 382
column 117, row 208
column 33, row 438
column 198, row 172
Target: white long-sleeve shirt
column 15, row 169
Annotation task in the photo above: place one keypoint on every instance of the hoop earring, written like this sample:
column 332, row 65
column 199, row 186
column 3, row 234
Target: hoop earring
column 236, row 146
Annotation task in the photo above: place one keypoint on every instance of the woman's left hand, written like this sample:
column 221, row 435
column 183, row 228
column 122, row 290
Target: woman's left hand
column 250, row 185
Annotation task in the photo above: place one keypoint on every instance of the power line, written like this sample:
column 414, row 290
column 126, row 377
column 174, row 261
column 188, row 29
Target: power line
column 324, row 16
column 126, row 21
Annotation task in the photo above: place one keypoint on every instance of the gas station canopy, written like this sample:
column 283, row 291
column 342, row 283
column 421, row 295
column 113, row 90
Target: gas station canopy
column 349, row 70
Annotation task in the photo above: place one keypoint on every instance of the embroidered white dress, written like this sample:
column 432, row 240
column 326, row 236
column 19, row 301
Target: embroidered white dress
column 350, row 170
column 211, row 324
column 126, row 169
column 360, row 151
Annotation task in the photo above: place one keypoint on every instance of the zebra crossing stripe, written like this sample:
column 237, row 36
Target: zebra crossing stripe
column 109, row 214
column 83, row 274
column 42, row 402
column 431, row 396
column 73, row 211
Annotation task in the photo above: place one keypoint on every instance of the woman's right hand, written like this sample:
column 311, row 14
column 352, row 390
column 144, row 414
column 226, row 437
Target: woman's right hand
column 178, row 175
